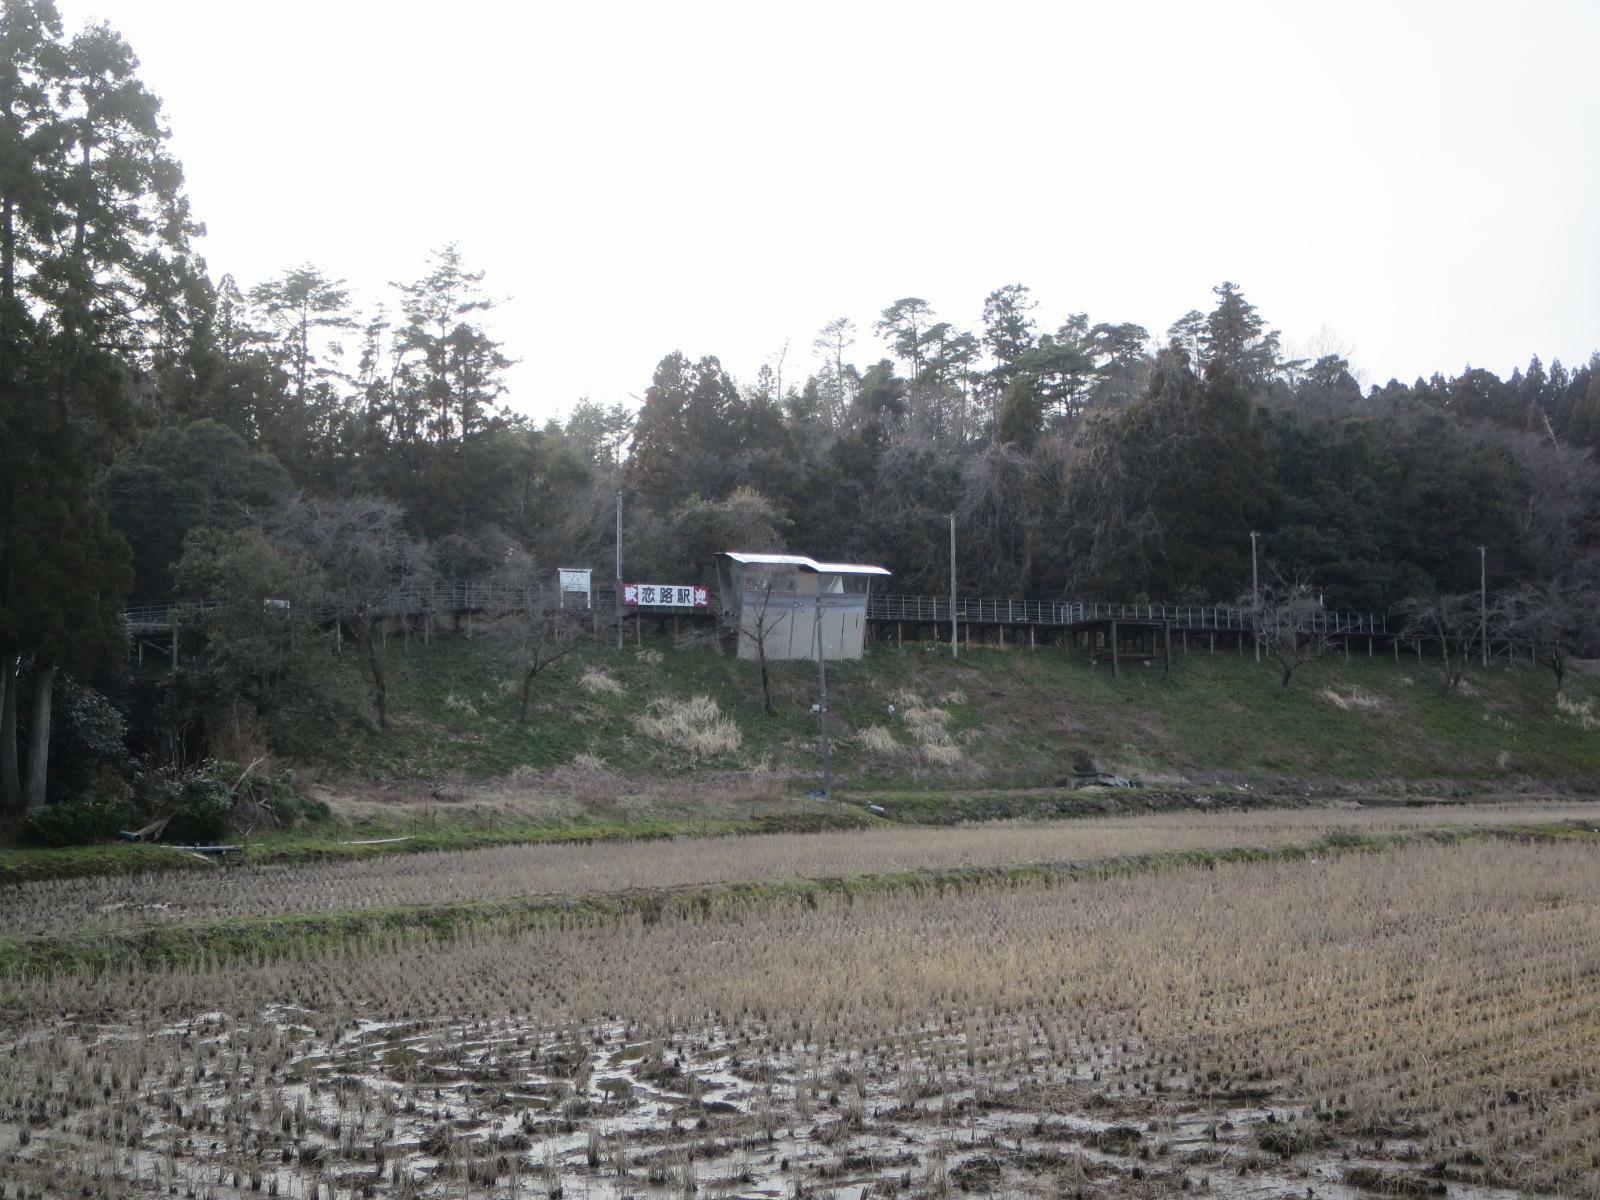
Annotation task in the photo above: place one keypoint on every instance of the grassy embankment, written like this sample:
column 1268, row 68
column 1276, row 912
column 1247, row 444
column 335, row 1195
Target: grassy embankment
column 341, row 840
column 609, row 752
column 1005, row 718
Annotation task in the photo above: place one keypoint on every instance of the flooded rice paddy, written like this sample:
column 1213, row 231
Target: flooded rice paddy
column 1421, row 1021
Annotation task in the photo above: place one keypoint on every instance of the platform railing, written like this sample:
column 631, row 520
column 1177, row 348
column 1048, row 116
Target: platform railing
column 452, row 597
column 985, row 610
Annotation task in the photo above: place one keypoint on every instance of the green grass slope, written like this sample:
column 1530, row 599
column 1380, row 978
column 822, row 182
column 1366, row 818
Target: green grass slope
column 995, row 718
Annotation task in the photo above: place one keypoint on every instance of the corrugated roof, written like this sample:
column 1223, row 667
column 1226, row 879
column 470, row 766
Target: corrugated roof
column 809, row 564
column 849, row 569
column 776, row 560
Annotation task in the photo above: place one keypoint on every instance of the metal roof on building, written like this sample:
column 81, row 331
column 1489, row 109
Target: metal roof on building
column 809, row 564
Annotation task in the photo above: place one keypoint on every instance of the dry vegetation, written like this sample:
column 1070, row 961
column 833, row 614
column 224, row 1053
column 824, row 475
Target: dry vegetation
column 1579, row 713
column 695, row 725
column 598, row 681
column 122, row 903
column 584, row 790
column 1401, row 1022
column 929, row 727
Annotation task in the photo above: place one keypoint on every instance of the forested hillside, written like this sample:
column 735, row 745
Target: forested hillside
column 1088, row 459
column 169, row 432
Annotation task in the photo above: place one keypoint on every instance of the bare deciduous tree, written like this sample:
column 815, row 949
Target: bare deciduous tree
column 1551, row 617
column 758, row 620
column 1288, row 619
column 536, row 630
column 548, row 636
column 368, row 565
column 1454, row 621
column 1560, row 495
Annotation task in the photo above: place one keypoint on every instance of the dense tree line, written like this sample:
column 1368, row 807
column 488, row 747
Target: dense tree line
column 1095, row 460
column 166, row 433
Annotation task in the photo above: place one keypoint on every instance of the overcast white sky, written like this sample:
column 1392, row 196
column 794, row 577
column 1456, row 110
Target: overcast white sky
column 1422, row 179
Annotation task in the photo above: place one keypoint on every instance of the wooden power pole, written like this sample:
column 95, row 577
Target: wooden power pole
column 822, row 704
column 955, row 645
column 1483, row 602
column 619, row 571
column 1255, row 594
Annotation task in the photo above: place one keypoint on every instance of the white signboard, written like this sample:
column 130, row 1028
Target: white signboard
column 665, row 595
column 576, row 579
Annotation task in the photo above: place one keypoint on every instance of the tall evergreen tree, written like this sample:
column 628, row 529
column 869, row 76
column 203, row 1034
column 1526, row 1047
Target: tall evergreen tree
column 836, row 385
column 1008, row 330
column 66, row 571
column 1236, row 337
column 306, row 313
column 905, row 324
column 122, row 219
column 1062, row 367
column 450, row 370
column 690, row 433
column 303, row 305
column 95, row 236
column 30, row 141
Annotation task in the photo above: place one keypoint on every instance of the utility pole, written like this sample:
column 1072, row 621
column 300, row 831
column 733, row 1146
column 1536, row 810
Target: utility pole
column 619, row 571
column 1483, row 602
column 822, row 705
column 955, row 648
column 1255, row 594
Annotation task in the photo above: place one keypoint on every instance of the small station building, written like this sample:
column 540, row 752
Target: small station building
column 776, row 602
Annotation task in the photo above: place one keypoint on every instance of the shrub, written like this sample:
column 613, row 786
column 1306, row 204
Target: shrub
column 86, row 733
column 197, row 802
column 290, row 805
column 96, row 816
column 205, row 805
column 202, row 803
column 254, row 798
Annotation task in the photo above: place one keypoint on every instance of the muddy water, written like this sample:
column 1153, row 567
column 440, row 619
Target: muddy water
column 496, row 1109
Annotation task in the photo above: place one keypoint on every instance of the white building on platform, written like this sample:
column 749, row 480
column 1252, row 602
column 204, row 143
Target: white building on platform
column 777, row 601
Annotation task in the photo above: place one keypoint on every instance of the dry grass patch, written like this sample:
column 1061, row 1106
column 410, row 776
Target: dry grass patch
column 460, row 704
column 878, row 740
column 598, row 681
column 1578, row 712
column 695, row 725
column 929, row 726
column 1352, row 700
